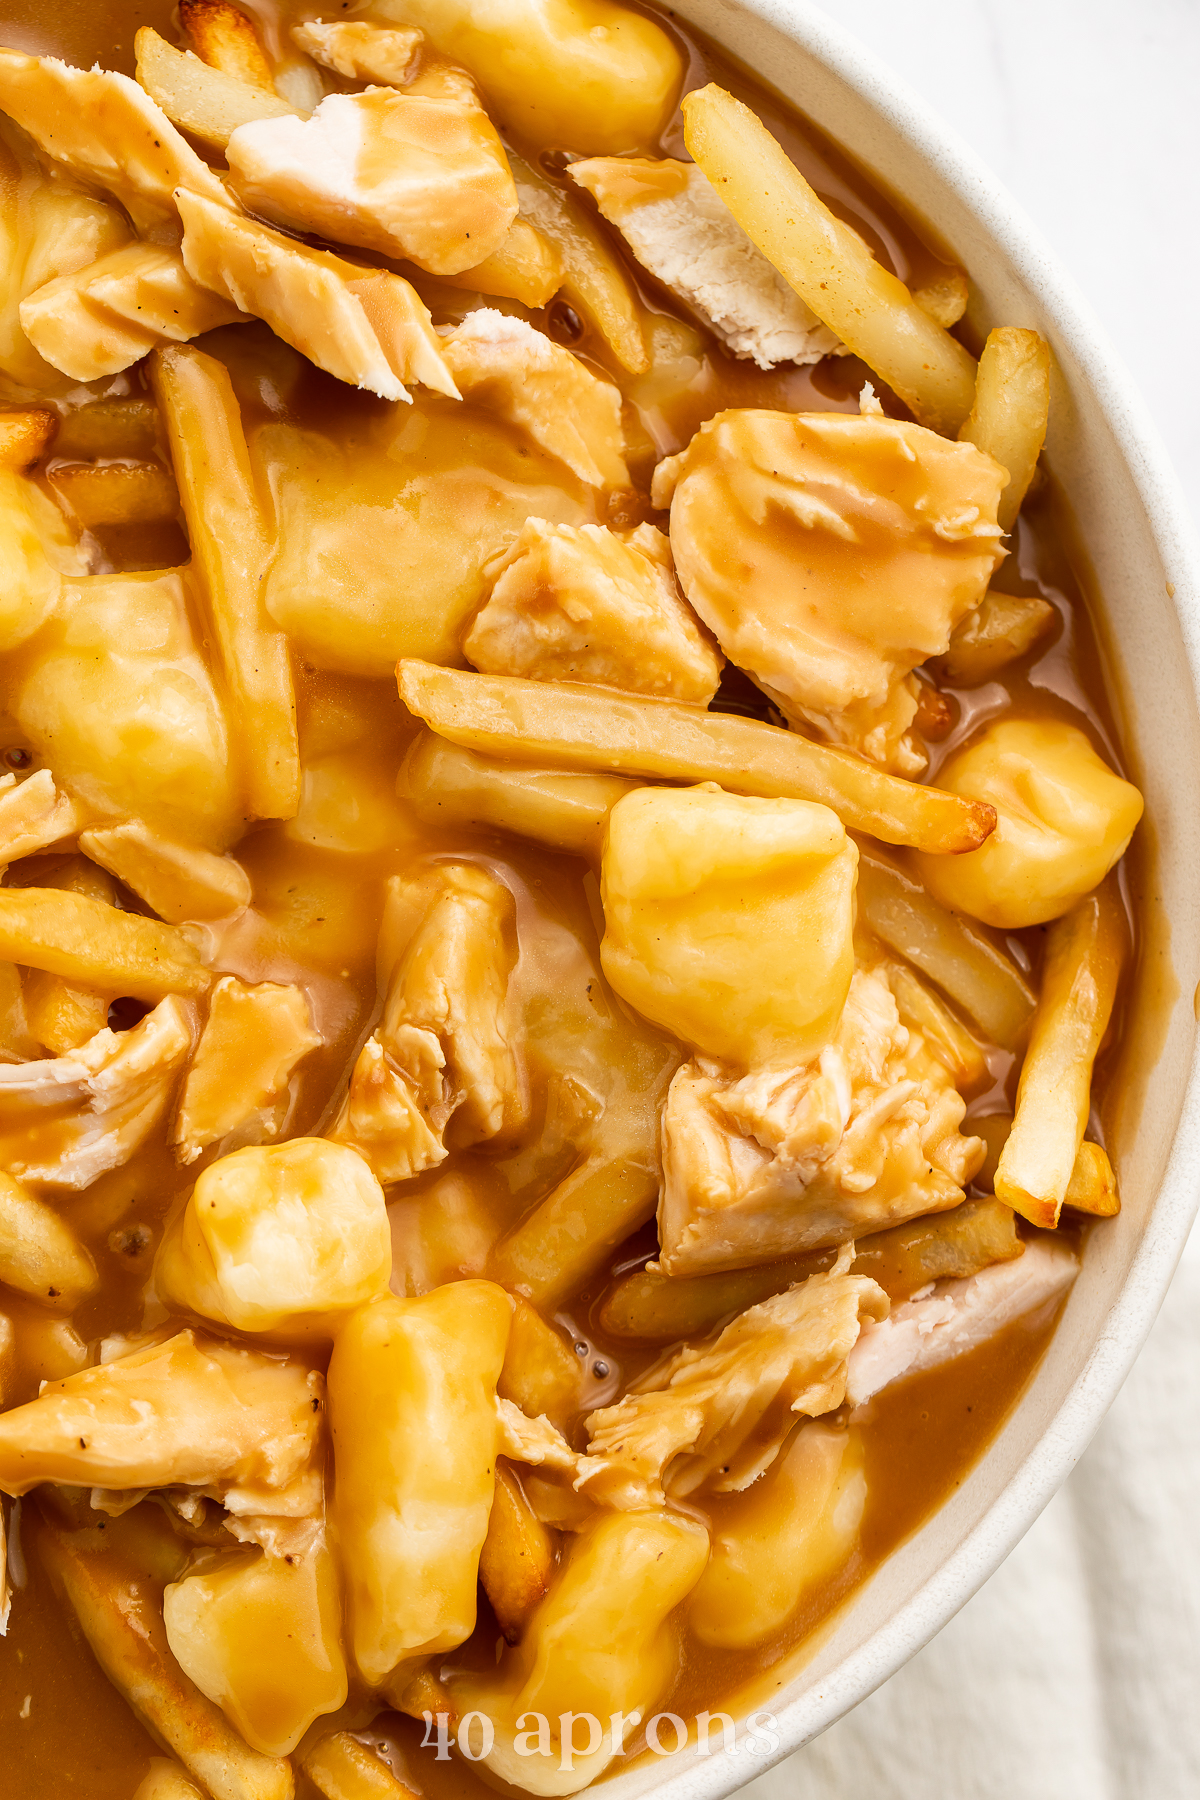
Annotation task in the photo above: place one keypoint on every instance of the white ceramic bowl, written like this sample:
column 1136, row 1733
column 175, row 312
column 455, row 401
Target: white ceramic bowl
column 1130, row 515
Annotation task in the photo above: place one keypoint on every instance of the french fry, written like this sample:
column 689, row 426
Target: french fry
column 116, row 493
column 655, row 1308
column 593, row 280
column 225, row 39
column 205, row 102
column 448, row 785
column 343, row 1769
column 180, row 881
column 947, row 949
column 231, row 546
column 166, row 1781
column 1001, row 628
column 34, row 814
column 826, row 262
column 945, row 1034
column 517, row 1559
column 96, row 946
column 17, row 1042
column 61, row 1016
column 25, row 436
column 108, row 428
column 527, row 267
column 540, row 1374
column 124, row 1626
column 945, row 297
column 571, row 725
column 39, row 1253
column 1085, row 951
column 567, row 1237
column 1093, row 1184
column 1010, row 410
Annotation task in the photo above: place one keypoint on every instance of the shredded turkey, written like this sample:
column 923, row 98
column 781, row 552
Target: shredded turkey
column 442, row 1051
column 680, row 229
column 405, row 174
column 583, row 603
column 34, row 814
column 951, row 1317
column 102, row 318
column 504, row 365
column 228, row 1423
column 713, row 1415
column 788, row 1159
column 237, row 1085
column 364, row 326
column 67, row 1120
column 830, row 555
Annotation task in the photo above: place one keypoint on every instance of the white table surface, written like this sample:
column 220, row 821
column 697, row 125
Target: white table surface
column 1073, row 1674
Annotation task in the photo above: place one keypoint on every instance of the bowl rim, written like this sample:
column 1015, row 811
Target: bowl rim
column 1128, row 1323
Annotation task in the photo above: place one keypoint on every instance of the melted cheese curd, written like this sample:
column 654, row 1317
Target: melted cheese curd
column 481, row 1174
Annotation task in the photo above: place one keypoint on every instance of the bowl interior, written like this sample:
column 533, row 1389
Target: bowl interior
column 1137, row 561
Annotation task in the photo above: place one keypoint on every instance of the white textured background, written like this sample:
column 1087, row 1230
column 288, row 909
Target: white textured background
column 1074, row 1674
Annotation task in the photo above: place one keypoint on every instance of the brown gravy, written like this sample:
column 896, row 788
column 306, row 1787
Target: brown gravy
column 62, row 1727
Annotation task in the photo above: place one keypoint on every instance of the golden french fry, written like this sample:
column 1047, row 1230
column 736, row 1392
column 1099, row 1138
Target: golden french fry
column 1001, row 628
column 104, row 428
column 567, row 1237
column 231, row 547
column 123, row 1624
column 116, row 493
column 947, row 949
column 166, row 1781
column 1010, row 411
column 541, row 1374
column 1093, row 1184
column 61, row 1016
column 344, row 1769
column 1084, row 954
column 517, row 1559
column 593, row 280
column 659, row 1309
column 448, row 785
column 17, row 1042
column 96, row 946
column 25, row 436
column 827, row 262
column 225, row 39
column 944, row 1032
column 945, row 297
column 527, row 267
column 180, row 881
column 40, row 1255
column 571, row 725
column 203, row 101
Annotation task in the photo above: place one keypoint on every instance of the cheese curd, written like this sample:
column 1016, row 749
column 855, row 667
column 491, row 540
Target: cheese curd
column 680, row 229
column 384, row 526
column 261, row 1636
column 285, row 1239
column 830, row 555
column 584, row 75
column 412, row 1389
column 787, row 1159
column 1063, row 818
column 583, row 603
column 728, row 920
column 408, row 175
